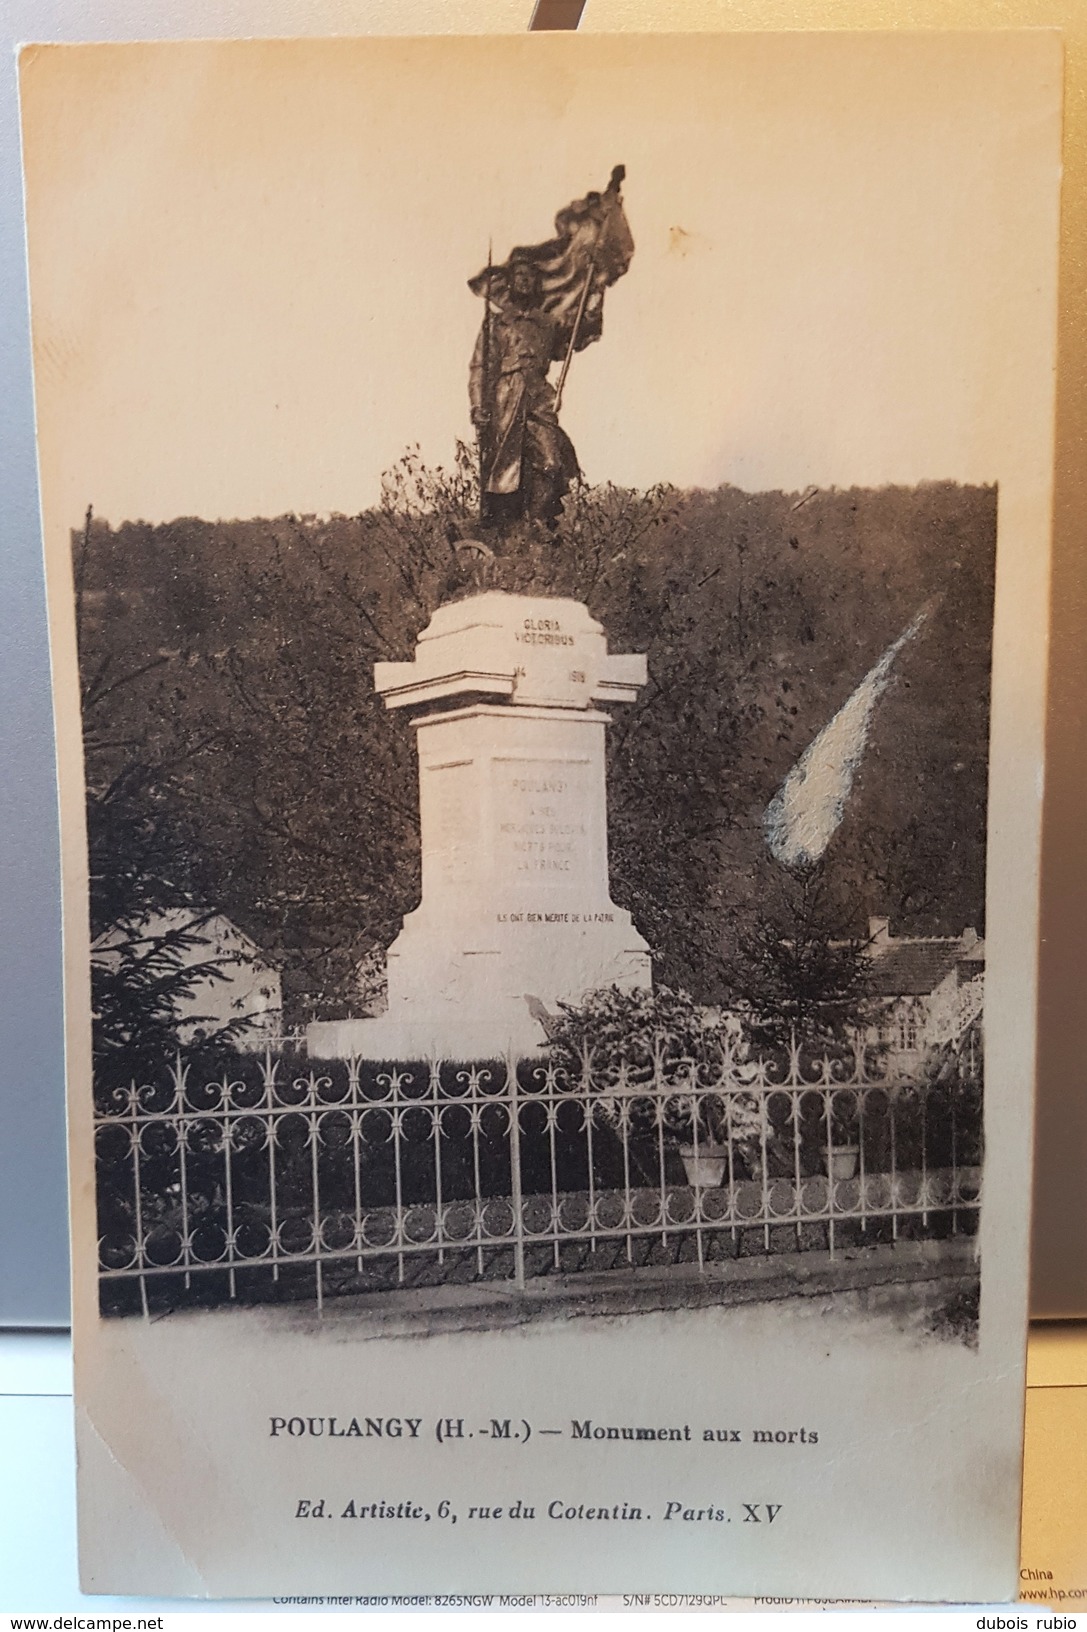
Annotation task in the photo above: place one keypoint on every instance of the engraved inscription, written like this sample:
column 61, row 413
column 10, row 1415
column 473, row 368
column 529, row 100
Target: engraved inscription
column 542, row 632
column 543, row 833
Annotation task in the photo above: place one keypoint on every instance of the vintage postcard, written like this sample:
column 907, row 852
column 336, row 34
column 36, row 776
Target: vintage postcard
column 547, row 542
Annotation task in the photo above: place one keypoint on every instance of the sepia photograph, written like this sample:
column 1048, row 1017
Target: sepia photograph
column 547, row 543
column 438, row 943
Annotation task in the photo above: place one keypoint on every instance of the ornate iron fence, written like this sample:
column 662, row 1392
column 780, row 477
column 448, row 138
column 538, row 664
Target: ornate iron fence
column 282, row 1179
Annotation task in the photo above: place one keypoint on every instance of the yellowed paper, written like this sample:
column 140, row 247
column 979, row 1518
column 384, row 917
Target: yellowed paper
column 248, row 268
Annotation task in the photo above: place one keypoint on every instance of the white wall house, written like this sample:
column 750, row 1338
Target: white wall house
column 245, row 990
column 927, row 989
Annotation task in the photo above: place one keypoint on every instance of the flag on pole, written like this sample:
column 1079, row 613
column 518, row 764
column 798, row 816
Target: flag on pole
column 805, row 813
column 592, row 245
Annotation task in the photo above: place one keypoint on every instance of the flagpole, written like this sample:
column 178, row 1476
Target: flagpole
column 484, row 418
column 577, row 325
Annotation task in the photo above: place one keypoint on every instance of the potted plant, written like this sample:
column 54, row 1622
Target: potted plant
column 709, row 1127
column 841, row 1152
column 660, row 1067
column 704, row 1164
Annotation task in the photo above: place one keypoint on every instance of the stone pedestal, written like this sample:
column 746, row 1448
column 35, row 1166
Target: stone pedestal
column 515, row 911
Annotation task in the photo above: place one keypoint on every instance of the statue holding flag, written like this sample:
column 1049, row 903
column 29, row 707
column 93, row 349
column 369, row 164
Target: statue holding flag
column 543, row 304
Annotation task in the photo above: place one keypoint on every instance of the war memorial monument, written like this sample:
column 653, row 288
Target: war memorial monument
column 505, row 692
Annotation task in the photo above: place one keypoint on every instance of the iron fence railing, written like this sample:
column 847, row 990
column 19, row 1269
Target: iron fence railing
column 282, row 1178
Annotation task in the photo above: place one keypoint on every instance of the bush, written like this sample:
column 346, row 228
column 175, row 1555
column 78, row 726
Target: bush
column 659, row 1060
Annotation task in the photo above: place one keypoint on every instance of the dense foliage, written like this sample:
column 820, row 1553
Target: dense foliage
column 238, row 758
column 636, row 1037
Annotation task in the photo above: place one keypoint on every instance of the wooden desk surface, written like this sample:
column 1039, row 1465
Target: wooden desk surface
column 1054, row 1546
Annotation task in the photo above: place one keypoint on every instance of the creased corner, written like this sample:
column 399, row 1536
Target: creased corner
column 114, row 1503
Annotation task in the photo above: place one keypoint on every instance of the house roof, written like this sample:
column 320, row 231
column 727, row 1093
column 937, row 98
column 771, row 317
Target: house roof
column 913, row 968
column 208, row 925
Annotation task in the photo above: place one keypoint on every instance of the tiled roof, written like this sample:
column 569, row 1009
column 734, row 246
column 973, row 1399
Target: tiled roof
column 912, row 968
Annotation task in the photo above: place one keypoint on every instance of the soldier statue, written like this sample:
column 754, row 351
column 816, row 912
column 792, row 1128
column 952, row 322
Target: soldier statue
column 542, row 305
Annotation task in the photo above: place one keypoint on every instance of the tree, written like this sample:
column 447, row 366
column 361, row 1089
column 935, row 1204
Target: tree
column 239, row 758
column 140, row 978
column 797, row 970
column 138, row 863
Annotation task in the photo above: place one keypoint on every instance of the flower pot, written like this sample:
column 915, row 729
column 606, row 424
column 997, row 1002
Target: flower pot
column 705, row 1167
column 841, row 1161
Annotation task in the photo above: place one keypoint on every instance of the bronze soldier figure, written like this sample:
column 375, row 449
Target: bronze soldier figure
column 528, row 460
column 543, row 304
